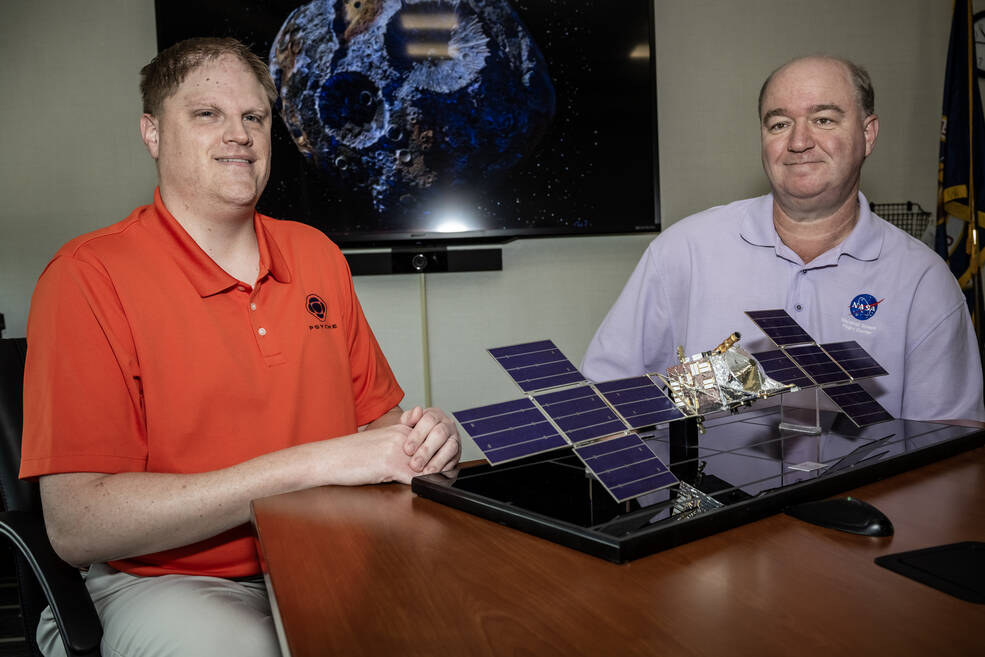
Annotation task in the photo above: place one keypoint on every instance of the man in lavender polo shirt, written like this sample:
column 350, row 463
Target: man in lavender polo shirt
column 811, row 247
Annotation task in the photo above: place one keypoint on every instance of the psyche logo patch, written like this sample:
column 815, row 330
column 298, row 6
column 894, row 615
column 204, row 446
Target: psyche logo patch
column 316, row 306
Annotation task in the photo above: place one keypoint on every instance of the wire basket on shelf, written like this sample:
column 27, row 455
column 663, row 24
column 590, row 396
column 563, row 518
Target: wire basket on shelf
column 908, row 216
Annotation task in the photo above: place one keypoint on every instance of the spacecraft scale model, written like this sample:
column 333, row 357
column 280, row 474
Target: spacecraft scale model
column 599, row 421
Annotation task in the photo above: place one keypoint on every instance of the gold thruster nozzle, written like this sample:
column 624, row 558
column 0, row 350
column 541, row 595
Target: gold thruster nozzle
column 727, row 342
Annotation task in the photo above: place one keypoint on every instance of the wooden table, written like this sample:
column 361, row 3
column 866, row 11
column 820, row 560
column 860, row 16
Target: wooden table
column 379, row 571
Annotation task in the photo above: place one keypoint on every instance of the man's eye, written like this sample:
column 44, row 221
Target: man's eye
column 205, row 113
column 776, row 127
column 254, row 118
column 823, row 121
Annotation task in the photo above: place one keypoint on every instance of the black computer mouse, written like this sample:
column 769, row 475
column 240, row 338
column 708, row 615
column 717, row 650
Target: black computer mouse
column 847, row 514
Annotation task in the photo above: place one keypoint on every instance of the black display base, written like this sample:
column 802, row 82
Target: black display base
column 743, row 464
column 427, row 260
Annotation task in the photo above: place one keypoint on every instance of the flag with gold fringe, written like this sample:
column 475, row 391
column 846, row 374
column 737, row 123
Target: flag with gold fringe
column 961, row 170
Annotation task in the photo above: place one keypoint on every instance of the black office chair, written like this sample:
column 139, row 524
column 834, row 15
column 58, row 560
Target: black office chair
column 42, row 578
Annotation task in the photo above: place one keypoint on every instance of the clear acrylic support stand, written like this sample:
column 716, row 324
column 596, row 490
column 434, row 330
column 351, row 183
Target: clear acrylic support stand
column 805, row 417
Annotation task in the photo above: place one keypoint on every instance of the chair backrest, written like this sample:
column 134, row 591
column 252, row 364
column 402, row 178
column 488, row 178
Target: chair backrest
column 18, row 495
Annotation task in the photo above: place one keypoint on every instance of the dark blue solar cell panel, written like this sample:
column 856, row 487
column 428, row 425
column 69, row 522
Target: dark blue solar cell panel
column 492, row 409
column 520, row 349
column 779, row 327
column 502, row 421
column 522, row 450
column 855, row 402
column 603, row 447
column 625, row 466
column 615, row 453
column 639, row 401
column 631, row 472
column 643, row 486
column 580, row 413
column 817, row 364
column 537, row 365
column 854, row 359
column 778, row 366
column 510, row 430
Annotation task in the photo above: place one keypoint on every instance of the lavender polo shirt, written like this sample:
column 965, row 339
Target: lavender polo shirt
column 697, row 277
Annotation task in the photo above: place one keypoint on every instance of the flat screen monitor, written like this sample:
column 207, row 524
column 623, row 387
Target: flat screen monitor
column 451, row 121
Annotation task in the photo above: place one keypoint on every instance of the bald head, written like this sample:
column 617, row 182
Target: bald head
column 865, row 95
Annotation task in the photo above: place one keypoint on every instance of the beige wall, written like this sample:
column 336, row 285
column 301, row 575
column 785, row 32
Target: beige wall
column 712, row 56
column 71, row 161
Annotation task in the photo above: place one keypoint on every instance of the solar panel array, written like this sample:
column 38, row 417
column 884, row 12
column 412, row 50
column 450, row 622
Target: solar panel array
column 834, row 366
column 779, row 327
column 537, row 365
column 858, row 404
column 625, row 466
column 778, row 366
column 580, row 413
column 510, row 430
column 639, row 401
column 595, row 420
column 817, row 364
column 856, row 360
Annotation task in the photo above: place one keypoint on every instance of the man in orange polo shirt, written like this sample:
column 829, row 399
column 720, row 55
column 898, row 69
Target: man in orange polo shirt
column 193, row 357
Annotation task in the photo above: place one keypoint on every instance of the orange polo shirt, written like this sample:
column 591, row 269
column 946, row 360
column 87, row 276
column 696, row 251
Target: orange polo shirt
column 145, row 356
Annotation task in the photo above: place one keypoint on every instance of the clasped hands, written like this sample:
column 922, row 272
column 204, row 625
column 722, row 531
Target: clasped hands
column 430, row 442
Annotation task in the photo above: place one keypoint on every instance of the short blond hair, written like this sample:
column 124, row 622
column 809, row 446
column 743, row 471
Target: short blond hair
column 160, row 79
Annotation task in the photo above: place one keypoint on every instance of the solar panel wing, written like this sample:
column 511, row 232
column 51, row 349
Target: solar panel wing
column 625, row 466
column 580, row 413
column 510, row 430
column 537, row 365
column 779, row 327
column 854, row 359
column 855, row 402
column 778, row 365
column 817, row 364
column 639, row 401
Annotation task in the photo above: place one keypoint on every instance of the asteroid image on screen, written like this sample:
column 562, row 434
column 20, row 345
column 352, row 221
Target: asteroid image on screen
column 378, row 108
column 404, row 121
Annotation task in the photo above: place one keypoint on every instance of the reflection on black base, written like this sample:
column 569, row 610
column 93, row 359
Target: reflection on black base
column 742, row 464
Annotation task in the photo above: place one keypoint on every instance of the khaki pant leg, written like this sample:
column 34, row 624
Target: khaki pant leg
column 173, row 616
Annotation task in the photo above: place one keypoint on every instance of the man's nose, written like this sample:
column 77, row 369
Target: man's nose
column 800, row 137
column 237, row 133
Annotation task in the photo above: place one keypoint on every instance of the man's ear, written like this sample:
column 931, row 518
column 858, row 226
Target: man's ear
column 870, row 128
column 150, row 133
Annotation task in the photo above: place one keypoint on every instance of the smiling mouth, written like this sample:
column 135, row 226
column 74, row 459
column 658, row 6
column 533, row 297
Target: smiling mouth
column 234, row 159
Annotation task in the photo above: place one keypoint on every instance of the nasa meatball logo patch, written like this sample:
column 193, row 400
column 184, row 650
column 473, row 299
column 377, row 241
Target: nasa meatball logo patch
column 864, row 306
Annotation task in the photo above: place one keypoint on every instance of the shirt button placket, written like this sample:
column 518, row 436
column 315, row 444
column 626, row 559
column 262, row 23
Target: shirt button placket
column 797, row 291
column 257, row 321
